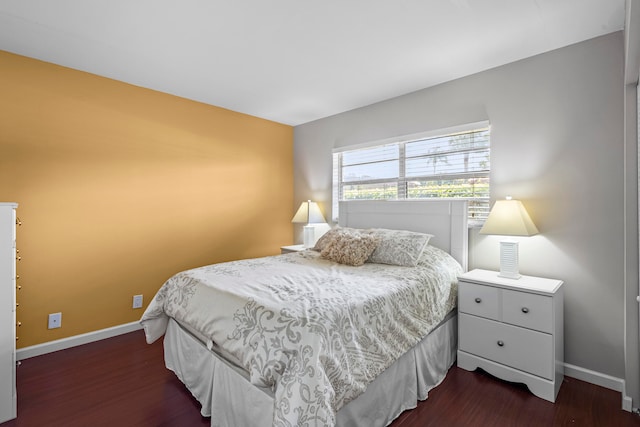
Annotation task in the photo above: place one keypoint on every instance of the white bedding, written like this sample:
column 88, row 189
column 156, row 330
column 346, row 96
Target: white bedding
column 223, row 389
column 315, row 332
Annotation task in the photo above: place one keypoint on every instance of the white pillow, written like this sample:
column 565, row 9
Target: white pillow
column 398, row 247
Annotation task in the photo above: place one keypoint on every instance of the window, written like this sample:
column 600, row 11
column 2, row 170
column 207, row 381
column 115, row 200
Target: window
column 451, row 163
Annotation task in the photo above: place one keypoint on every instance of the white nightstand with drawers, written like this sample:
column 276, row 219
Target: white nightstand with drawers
column 513, row 329
column 292, row 248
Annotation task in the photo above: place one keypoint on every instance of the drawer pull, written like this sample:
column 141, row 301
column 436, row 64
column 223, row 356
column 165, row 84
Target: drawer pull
column 525, row 310
column 500, row 343
column 478, row 300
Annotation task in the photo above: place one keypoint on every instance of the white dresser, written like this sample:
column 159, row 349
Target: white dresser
column 8, row 396
column 513, row 329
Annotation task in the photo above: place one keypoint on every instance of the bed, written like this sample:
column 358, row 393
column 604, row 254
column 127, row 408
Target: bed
column 299, row 339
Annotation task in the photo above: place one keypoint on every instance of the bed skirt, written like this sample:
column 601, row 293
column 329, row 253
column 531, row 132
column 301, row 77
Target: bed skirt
column 227, row 396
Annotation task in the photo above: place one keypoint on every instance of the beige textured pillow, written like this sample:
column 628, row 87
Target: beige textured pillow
column 326, row 238
column 349, row 247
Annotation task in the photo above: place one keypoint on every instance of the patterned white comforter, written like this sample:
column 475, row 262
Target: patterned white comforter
column 315, row 331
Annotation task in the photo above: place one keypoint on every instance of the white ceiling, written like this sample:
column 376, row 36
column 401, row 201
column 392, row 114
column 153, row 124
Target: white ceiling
column 294, row 61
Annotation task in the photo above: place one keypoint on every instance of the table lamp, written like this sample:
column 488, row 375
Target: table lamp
column 509, row 218
column 308, row 213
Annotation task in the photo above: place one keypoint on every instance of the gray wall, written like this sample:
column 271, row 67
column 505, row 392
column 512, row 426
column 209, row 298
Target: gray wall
column 557, row 145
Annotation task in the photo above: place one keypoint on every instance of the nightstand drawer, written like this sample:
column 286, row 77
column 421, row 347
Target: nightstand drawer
column 522, row 349
column 528, row 310
column 479, row 300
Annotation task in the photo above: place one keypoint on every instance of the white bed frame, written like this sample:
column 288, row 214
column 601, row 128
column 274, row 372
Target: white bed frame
column 231, row 400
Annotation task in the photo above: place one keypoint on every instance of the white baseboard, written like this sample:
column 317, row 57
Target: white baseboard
column 593, row 377
column 51, row 346
column 603, row 380
column 627, row 401
column 627, row 404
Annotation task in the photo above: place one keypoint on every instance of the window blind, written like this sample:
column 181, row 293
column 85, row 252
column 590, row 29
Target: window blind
column 456, row 165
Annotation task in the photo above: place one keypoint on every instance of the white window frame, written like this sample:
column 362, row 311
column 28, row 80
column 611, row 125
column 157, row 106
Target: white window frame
column 401, row 180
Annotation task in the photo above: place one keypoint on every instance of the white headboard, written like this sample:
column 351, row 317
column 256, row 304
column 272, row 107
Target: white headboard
column 445, row 219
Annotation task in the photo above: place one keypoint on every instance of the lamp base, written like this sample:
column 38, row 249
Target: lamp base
column 509, row 259
column 309, row 236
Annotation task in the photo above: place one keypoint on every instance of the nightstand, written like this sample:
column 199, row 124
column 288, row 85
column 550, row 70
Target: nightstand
column 292, row 248
column 513, row 329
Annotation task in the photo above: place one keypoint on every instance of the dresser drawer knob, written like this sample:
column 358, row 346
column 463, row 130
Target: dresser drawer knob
column 500, row 343
column 478, row 300
column 525, row 310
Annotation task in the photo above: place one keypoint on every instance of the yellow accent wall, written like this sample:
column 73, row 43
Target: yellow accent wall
column 120, row 187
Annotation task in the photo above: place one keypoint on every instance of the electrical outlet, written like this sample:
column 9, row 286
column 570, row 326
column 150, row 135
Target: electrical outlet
column 55, row 320
column 137, row 301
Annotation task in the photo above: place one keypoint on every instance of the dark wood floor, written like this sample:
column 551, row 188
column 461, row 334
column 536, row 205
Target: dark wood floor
column 122, row 381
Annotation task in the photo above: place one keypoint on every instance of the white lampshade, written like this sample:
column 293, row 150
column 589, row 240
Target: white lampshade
column 509, row 218
column 308, row 213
